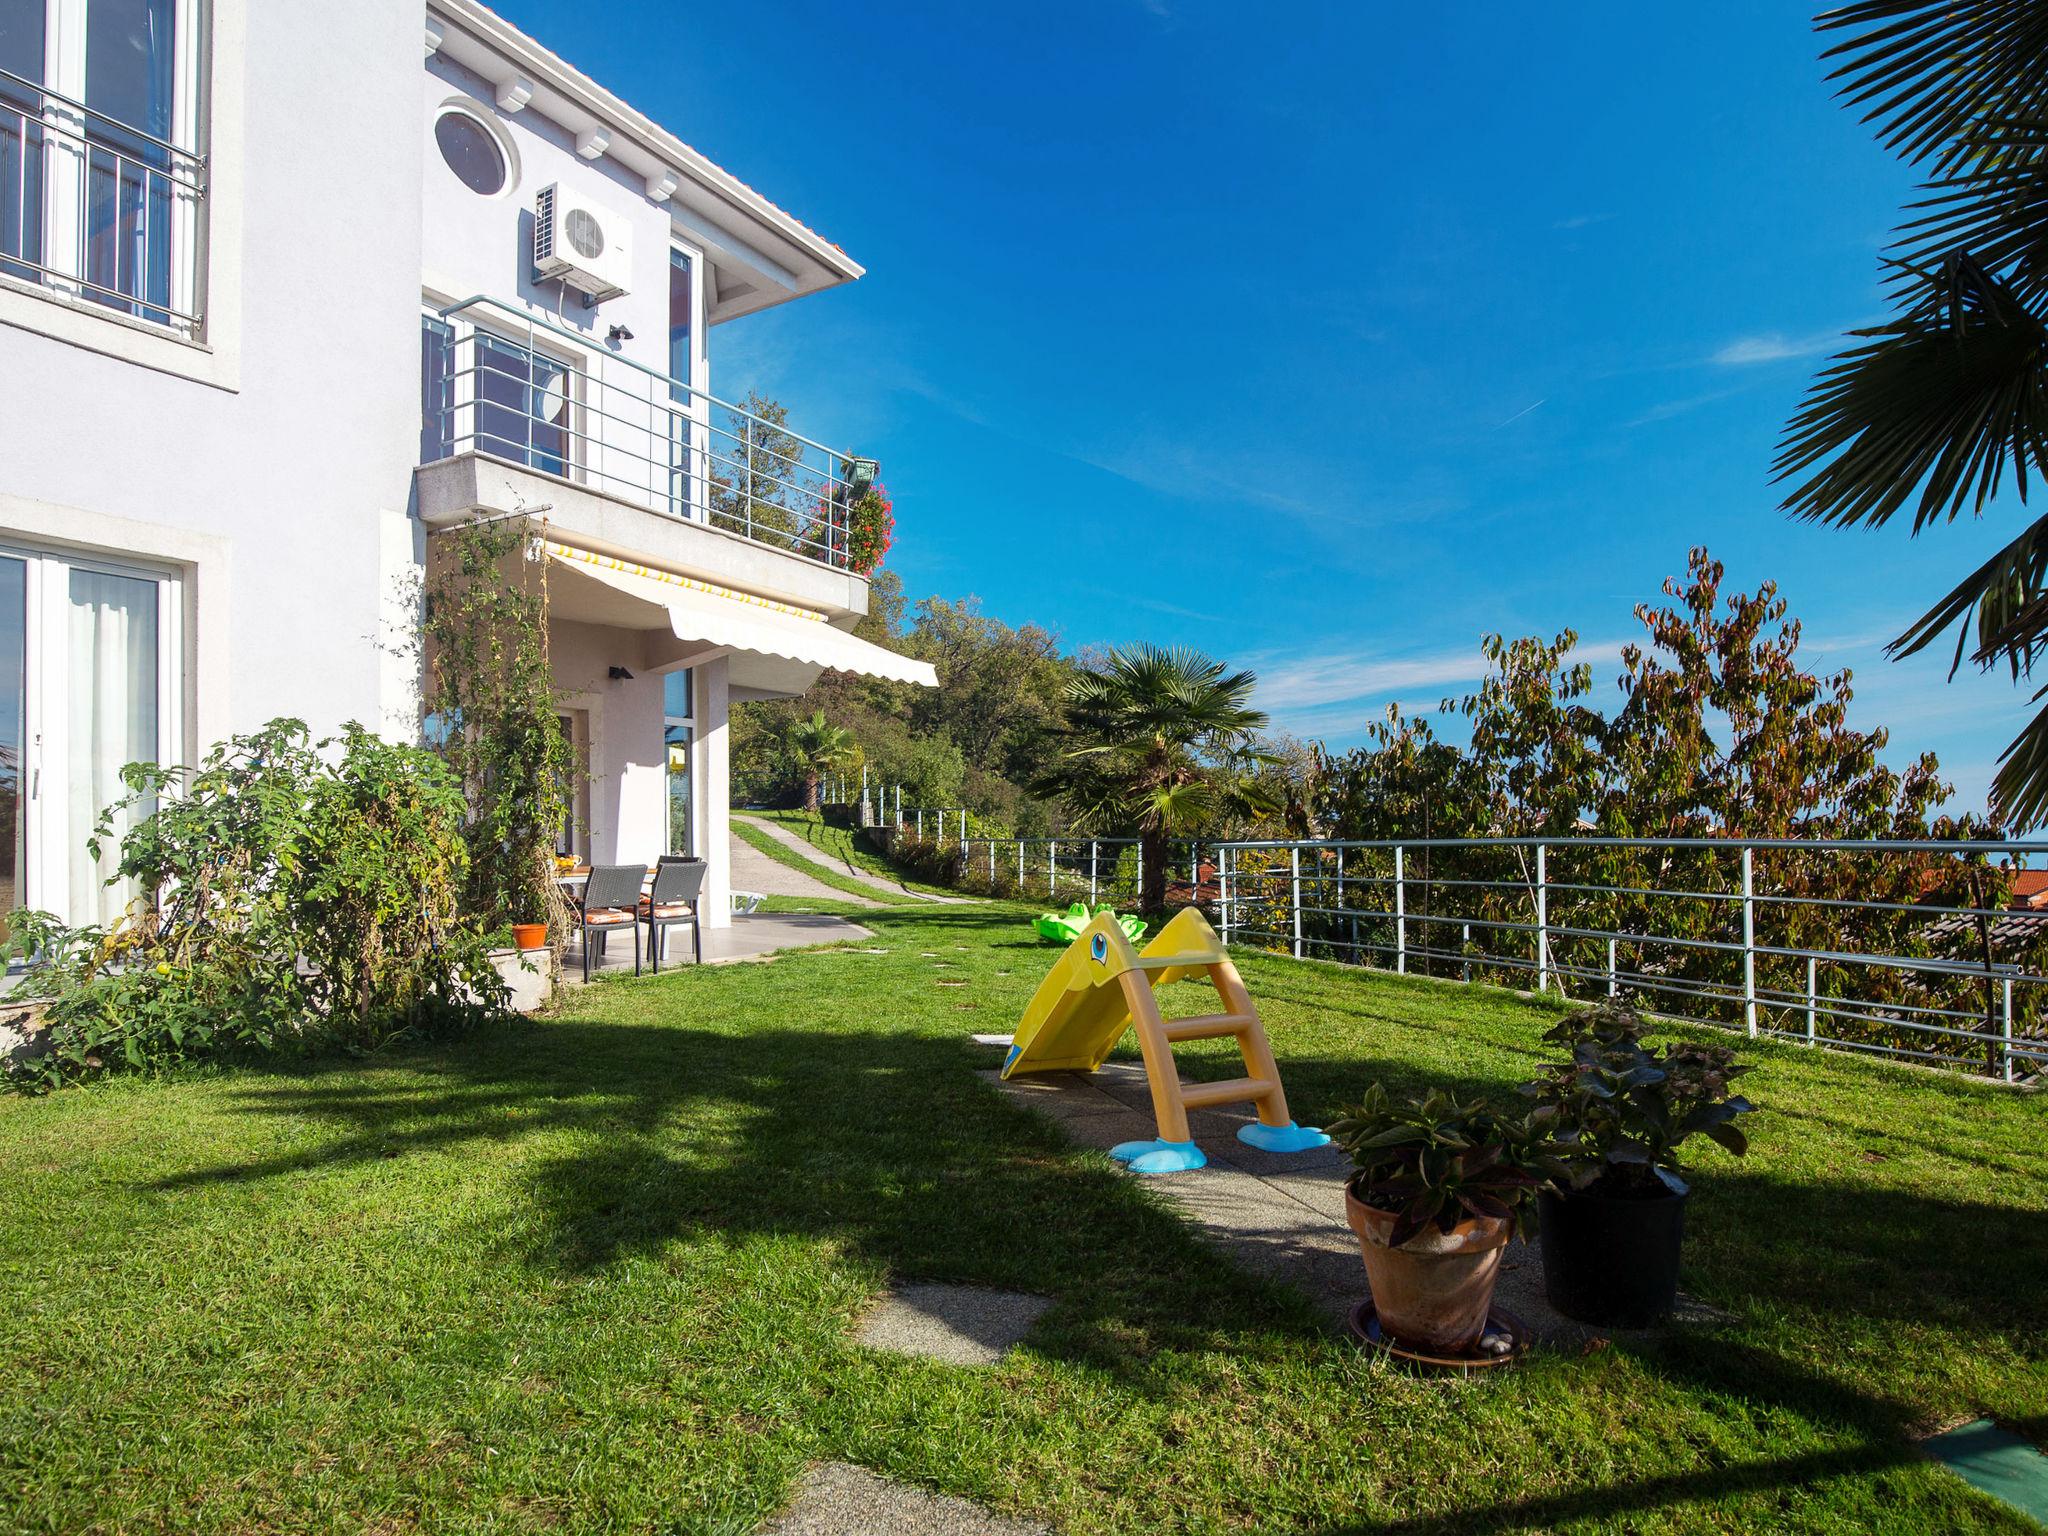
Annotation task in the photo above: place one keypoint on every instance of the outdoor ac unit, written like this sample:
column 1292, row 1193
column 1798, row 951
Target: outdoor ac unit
column 581, row 243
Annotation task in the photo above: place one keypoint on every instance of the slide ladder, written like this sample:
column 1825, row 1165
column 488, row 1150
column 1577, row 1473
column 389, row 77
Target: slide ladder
column 1101, row 985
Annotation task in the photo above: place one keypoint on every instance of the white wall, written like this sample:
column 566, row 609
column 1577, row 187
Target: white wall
column 288, row 473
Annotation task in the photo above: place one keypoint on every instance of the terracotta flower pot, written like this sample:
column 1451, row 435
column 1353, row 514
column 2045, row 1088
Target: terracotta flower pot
column 1434, row 1290
column 530, row 935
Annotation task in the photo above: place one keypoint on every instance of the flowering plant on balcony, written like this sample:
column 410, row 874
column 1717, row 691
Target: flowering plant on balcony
column 870, row 529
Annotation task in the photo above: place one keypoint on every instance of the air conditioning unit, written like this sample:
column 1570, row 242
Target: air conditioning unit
column 582, row 243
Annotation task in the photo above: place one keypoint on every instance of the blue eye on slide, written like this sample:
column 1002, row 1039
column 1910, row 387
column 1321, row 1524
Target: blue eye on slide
column 1098, row 947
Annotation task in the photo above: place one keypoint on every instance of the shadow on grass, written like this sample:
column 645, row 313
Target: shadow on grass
column 881, row 1144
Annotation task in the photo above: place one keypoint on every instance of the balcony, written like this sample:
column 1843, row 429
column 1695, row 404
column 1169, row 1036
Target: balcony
column 507, row 386
column 96, row 209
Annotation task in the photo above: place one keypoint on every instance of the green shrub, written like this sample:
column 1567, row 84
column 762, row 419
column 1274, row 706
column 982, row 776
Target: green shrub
column 288, row 895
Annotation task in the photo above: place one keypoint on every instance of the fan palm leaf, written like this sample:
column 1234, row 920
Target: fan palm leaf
column 1946, row 406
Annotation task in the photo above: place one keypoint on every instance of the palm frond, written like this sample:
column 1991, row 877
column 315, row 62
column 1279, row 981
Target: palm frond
column 2019, row 791
column 2009, row 596
column 1941, row 401
column 1995, row 209
column 1927, row 72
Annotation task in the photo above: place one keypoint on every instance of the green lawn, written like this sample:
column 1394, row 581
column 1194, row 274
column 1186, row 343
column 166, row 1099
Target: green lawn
column 837, row 845
column 818, row 870
column 597, row 1271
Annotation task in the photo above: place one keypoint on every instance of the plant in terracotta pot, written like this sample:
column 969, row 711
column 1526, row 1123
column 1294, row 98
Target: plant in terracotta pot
column 1618, row 1112
column 1440, row 1187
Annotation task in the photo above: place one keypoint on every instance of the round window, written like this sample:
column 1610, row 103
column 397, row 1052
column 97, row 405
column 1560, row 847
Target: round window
column 472, row 152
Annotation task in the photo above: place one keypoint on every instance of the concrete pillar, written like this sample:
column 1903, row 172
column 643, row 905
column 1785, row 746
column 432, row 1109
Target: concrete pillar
column 711, row 804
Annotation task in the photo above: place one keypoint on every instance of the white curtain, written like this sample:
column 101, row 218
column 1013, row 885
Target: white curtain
column 111, row 721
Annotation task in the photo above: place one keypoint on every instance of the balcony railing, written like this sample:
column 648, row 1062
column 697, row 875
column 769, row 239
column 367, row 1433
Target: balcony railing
column 99, row 209
column 499, row 381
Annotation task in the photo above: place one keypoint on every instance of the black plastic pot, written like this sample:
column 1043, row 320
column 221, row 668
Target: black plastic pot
column 1611, row 1262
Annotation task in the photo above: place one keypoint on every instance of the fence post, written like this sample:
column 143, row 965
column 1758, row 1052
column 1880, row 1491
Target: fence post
column 920, row 823
column 2005, row 1029
column 1400, row 912
column 1613, row 990
column 1542, row 921
column 1223, row 888
column 1020, row 866
column 1749, row 940
column 1139, row 849
column 991, row 866
column 1091, row 871
column 1294, row 868
column 1465, row 953
column 1052, row 868
column 1812, row 996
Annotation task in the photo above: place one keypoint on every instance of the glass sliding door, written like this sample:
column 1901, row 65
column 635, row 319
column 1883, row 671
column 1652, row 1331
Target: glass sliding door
column 24, row 29
column 111, row 720
column 130, row 74
column 89, row 683
column 677, row 733
column 13, row 730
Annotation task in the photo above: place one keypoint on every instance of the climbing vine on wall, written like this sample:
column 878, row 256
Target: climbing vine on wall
column 491, row 714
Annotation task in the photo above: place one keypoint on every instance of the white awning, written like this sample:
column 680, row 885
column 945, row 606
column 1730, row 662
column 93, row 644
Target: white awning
column 792, row 643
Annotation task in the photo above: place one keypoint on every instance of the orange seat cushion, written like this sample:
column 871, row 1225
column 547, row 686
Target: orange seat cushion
column 607, row 915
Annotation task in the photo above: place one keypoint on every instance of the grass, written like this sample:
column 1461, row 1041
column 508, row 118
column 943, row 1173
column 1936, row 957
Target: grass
column 599, row 1270
column 789, row 858
column 840, row 845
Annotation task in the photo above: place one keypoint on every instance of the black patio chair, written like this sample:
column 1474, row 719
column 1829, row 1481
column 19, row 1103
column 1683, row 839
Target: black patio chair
column 611, row 899
column 677, row 893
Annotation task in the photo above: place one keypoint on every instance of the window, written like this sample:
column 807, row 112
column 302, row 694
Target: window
column 676, row 736
column 101, row 186
column 471, row 151
column 522, row 404
column 682, row 364
column 88, row 684
column 437, row 389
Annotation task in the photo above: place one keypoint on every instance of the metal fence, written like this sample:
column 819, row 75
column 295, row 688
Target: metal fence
column 502, row 381
column 94, row 206
column 1888, row 947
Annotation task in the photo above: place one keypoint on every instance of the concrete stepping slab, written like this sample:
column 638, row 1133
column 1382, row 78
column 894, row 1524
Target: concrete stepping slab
column 839, row 1499
column 957, row 1324
column 1277, row 1215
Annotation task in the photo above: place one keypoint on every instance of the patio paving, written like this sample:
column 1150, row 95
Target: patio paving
column 1279, row 1215
column 958, row 1324
column 839, row 1499
column 749, row 938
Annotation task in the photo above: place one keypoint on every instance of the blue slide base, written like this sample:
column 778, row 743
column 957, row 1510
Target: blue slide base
column 1282, row 1138
column 1156, row 1156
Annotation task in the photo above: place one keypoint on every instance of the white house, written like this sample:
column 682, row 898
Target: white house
column 285, row 288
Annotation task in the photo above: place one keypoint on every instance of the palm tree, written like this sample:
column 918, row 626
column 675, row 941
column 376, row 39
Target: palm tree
column 1162, row 740
column 1935, row 406
column 818, row 749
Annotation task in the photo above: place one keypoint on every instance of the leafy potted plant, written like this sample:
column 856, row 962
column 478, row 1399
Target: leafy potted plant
column 1618, row 1112
column 1440, row 1186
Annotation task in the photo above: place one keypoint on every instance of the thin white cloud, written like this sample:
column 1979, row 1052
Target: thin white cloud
column 1525, row 410
column 1582, row 221
column 1773, row 347
column 1297, row 685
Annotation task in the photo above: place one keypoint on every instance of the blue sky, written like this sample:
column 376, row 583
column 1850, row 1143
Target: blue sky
column 1324, row 340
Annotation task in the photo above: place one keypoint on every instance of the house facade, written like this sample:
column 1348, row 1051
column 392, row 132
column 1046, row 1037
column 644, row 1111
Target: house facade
column 290, row 290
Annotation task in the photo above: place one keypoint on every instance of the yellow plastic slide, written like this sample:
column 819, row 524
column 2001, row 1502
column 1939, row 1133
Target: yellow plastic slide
column 1100, row 986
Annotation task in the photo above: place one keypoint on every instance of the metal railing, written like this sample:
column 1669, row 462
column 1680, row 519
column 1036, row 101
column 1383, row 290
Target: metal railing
column 1058, row 869
column 502, row 381
column 97, row 208
column 1886, row 947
